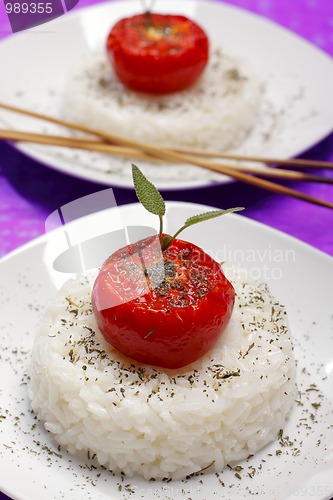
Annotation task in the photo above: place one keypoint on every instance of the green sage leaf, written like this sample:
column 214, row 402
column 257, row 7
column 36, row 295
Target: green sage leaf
column 195, row 219
column 147, row 193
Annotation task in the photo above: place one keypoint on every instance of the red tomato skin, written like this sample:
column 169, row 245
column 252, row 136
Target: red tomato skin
column 171, row 330
column 160, row 54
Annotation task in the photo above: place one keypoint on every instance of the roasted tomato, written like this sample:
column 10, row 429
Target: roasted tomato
column 157, row 53
column 162, row 308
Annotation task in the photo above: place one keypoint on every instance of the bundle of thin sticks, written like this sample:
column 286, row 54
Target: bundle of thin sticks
column 242, row 171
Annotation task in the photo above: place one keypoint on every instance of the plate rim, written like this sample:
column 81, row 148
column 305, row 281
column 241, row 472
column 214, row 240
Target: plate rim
column 181, row 204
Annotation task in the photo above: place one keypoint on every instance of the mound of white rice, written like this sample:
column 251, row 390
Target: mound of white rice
column 159, row 423
column 216, row 113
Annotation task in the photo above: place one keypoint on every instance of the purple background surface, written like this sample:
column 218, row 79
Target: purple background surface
column 30, row 191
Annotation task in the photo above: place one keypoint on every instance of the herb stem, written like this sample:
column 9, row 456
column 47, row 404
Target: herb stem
column 161, row 227
column 168, row 240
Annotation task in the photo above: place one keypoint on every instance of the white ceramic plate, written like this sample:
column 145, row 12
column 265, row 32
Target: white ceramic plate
column 299, row 276
column 297, row 109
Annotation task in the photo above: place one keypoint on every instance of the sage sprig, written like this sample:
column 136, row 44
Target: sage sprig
column 152, row 201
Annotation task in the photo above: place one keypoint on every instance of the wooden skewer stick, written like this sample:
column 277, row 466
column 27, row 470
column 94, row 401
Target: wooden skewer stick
column 295, row 162
column 292, row 162
column 103, row 147
column 167, row 154
column 74, row 143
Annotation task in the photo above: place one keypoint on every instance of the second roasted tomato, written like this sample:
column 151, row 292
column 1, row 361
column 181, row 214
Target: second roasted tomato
column 162, row 308
column 157, row 53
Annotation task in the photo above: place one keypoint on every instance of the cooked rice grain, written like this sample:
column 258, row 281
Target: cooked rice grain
column 217, row 113
column 164, row 423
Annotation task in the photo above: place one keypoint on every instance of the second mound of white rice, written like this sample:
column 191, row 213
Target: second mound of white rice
column 164, row 423
column 216, row 113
